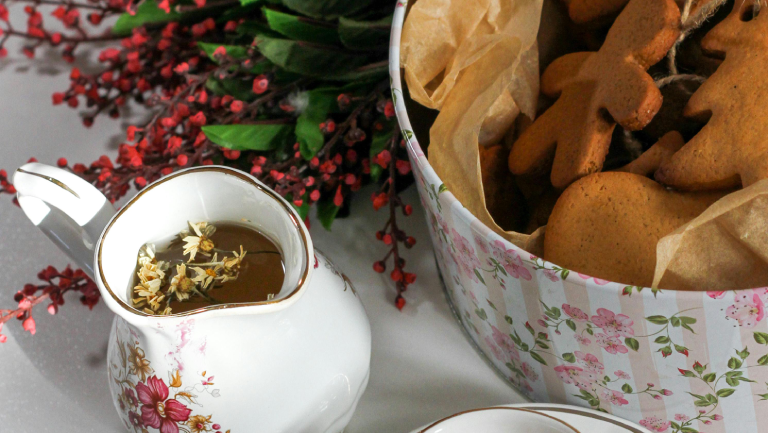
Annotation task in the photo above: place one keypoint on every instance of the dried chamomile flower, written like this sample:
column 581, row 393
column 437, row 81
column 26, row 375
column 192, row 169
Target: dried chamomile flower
column 181, row 285
column 199, row 240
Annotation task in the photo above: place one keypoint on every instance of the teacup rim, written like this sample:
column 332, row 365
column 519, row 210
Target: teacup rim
column 293, row 216
column 438, row 422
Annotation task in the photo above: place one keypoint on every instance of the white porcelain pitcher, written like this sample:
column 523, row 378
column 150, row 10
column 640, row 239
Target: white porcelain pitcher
column 296, row 363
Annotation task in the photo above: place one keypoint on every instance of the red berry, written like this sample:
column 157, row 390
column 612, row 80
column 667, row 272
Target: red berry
column 396, row 275
column 410, row 241
column 379, row 235
column 387, row 239
column 407, row 210
column 236, row 106
column 62, row 162
column 379, row 267
column 399, row 302
column 182, row 160
column 141, row 182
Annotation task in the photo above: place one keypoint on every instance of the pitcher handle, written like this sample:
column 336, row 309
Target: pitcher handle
column 68, row 209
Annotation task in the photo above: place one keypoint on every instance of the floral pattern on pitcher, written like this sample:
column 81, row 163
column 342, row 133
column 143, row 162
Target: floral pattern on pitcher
column 165, row 402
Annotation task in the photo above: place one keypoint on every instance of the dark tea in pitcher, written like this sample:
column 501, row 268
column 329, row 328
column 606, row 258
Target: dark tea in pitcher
column 207, row 264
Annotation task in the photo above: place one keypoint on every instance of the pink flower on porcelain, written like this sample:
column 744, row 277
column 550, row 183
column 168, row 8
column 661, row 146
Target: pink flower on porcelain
column 542, row 323
column 505, row 342
column 529, row 372
column 613, row 324
column 158, row 411
column 526, row 386
column 717, row 417
column 587, row 380
column 716, row 295
column 496, row 350
column 598, row 281
column 611, row 344
column 582, row 339
column 616, row 398
column 655, row 424
column 621, row 374
column 467, row 259
column 666, row 392
column 569, row 374
column 135, row 419
column 682, row 418
column 510, row 260
column 748, row 308
column 589, row 361
column 552, row 275
column 575, row 313
column 441, row 222
column 657, row 397
column 482, row 245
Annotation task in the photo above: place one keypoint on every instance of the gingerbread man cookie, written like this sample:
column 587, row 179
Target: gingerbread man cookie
column 607, row 225
column 732, row 148
column 596, row 90
column 588, row 11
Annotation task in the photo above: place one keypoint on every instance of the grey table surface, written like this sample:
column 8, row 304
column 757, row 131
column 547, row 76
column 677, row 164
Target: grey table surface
column 422, row 366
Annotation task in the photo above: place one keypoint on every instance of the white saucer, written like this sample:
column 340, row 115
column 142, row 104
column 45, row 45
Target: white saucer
column 579, row 419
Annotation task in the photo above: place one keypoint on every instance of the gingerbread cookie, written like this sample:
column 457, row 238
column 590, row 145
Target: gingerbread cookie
column 503, row 198
column 732, row 148
column 652, row 158
column 596, row 90
column 590, row 11
column 607, row 225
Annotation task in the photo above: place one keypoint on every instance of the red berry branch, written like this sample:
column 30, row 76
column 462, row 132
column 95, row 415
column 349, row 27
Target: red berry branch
column 204, row 75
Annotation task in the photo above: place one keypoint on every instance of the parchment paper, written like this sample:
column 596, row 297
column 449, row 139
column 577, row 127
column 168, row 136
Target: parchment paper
column 489, row 53
column 725, row 248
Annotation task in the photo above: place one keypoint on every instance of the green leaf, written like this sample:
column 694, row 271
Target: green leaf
column 687, row 320
column 508, row 319
column 442, row 188
column 675, row 321
column 688, row 373
column 309, row 59
column 681, row 349
column 479, row 277
column 743, row 354
column 569, row 357
column 234, row 51
column 763, row 360
column 710, row 377
column 626, row 388
column 632, row 343
column 326, row 213
column 146, row 13
column 657, row 320
column 542, row 345
column 328, row 9
column 365, row 34
column 262, row 137
column 370, row 72
column 688, row 430
column 301, row 28
column 734, row 363
column 761, row 337
column 725, row 392
column 538, row 358
column 321, row 102
column 481, row 314
column 571, row 324
column 379, row 142
column 662, row 340
column 239, row 89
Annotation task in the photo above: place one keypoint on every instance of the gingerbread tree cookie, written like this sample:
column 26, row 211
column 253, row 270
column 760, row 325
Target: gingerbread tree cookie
column 595, row 91
column 732, row 148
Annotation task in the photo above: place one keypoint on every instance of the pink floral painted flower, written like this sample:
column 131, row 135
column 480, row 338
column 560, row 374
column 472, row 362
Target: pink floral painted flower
column 655, row 424
column 616, row 398
column 598, row 281
column 682, row 418
column 552, row 275
column 481, row 243
column 157, row 410
column 467, row 259
column 496, row 350
column 589, row 361
column 748, row 308
column 717, row 417
column 505, row 342
column 587, row 380
column 582, row 339
column 575, row 313
column 613, row 324
column 620, row 374
column 131, row 397
column 569, row 374
column 510, row 260
column 611, row 344
column 529, row 372
column 135, row 419
column 716, row 295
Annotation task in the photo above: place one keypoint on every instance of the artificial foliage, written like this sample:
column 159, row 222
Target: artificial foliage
column 295, row 92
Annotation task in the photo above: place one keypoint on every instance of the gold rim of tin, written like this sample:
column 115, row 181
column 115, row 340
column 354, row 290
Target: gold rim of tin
column 227, row 171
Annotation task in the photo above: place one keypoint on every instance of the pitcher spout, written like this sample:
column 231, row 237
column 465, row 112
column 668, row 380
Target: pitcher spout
column 68, row 209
